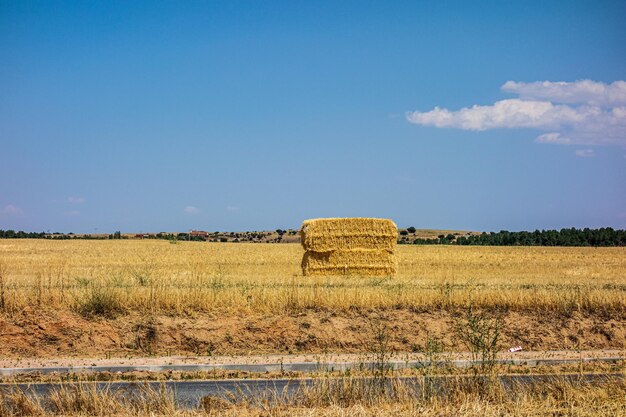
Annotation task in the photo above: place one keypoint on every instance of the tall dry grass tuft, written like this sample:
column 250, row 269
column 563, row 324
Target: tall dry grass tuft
column 88, row 399
column 17, row 403
column 459, row 395
column 82, row 399
column 3, row 273
column 100, row 301
column 347, row 396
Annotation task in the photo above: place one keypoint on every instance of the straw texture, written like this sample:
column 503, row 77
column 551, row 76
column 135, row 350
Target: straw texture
column 325, row 235
column 349, row 262
column 349, row 246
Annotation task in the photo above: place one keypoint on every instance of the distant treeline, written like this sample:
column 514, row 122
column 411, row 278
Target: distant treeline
column 604, row 236
column 12, row 234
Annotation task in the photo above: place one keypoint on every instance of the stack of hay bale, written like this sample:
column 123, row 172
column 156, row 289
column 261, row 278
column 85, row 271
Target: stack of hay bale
column 353, row 246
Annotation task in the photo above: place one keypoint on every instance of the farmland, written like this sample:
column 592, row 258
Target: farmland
column 94, row 297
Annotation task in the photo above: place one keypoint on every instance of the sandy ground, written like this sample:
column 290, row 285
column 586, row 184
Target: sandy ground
column 29, row 335
column 290, row 359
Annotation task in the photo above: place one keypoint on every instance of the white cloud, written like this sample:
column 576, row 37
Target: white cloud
column 72, row 213
column 583, row 91
column 11, row 210
column 191, row 210
column 512, row 113
column 595, row 113
column 553, row 138
column 585, row 153
column 76, row 200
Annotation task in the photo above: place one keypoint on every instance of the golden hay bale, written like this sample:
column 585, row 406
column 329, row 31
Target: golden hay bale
column 349, row 262
column 325, row 235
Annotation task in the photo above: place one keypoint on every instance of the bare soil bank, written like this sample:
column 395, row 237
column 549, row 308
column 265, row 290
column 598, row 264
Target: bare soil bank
column 56, row 333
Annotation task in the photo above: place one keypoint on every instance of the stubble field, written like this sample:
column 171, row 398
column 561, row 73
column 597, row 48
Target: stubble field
column 91, row 297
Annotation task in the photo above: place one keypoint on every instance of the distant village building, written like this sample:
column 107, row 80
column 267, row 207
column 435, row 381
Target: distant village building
column 199, row 233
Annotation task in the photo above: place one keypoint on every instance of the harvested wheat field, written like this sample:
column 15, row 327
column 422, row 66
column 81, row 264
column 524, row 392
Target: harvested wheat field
column 84, row 298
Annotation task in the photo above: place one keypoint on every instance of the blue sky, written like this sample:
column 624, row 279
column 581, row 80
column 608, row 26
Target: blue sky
column 151, row 116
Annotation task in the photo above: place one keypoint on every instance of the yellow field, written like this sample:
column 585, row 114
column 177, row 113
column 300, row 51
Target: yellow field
column 266, row 278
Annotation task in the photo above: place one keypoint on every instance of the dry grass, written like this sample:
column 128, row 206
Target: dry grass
column 110, row 277
column 141, row 278
column 344, row 397
column 84, row 399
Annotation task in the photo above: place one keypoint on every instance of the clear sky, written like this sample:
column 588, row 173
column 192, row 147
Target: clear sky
column 164, row 116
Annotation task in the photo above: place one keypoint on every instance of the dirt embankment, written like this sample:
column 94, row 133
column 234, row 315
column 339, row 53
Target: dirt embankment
column 30, row 334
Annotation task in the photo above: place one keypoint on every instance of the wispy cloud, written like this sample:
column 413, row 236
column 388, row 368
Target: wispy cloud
column 585, row 153
column 584, row 91
column 232, row 208
column 191, row 210
column 72, row 213
column 76, row 200
column 583, row 112
column 11, row 210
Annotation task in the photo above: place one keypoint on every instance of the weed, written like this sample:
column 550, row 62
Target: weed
column 145, row 335
column 480, row 334
column 100, row 301
column 3, row 271
column 380, row 349
column 211, row 404
column 210, row 348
